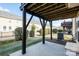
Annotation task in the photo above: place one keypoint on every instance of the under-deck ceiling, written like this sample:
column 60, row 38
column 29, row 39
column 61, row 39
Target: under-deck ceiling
column 52, row 11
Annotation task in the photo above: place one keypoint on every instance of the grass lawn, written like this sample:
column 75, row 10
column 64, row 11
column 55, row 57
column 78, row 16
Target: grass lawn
column 66, row 37
column 8, row 47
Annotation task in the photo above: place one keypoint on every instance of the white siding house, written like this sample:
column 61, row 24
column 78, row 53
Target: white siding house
column 8, row 22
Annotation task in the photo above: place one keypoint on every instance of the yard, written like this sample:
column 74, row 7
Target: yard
column 66, row 36
column 8, row 47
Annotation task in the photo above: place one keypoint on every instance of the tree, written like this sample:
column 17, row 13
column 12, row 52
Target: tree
column 55, row 30
column 32, row 32
column 47, row 31
column 60, row 30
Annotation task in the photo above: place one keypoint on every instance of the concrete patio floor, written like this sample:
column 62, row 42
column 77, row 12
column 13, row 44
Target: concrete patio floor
column 39, row 49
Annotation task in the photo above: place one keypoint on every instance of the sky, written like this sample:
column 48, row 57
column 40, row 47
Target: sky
column 11, row 7
column 14, row 8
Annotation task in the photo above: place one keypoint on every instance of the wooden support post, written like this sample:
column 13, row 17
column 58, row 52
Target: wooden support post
column 50, row 29
column 29, row 21
column 43, row 31
column 64, row 26
column 24, row 33
column 43, row 24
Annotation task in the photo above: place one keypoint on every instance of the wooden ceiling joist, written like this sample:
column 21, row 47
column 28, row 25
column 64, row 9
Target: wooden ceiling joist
column 31, row 5
column 66, row 11
column 58, row 10
column 45, row 8
column 48, row 9
column 64, row 15
column 52, row 10
column 38, row 7
column 55, row 8
column 72, row 5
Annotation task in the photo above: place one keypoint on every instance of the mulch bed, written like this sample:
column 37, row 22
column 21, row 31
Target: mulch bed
column 62, row 42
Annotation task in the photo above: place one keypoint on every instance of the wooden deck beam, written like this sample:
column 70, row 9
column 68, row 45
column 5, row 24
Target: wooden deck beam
column 45, row 8
column 64, row 15
column 66, row 11
column 31, row 5
column 38, row 7
column 51, row 10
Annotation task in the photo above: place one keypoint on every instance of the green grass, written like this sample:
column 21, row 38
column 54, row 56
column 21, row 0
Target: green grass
column 6, row 42
column 66, row 36
column 8, row 47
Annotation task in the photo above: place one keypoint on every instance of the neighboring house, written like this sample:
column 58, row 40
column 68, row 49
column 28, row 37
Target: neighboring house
column 8, row 21
column 67, row 26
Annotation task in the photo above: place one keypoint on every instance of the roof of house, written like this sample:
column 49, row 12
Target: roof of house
column 66, row 24
column 9, row 15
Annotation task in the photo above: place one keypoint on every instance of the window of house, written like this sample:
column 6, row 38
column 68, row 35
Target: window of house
column 9, row 21
column 10, row 27
column 4, row 27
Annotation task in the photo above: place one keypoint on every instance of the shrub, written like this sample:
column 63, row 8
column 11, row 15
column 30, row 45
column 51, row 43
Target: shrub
column 60, row 30
column 32, row 32
column 55, row 30
column 47, row 31
column 18, row 33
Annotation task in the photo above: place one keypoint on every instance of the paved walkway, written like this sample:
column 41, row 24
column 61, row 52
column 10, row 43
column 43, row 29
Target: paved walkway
column 39, row 49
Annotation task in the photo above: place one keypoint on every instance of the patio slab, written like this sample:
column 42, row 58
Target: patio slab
column 39, row 49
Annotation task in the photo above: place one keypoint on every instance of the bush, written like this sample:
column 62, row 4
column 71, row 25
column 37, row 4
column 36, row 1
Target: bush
column 32, row 32
column 18, row 33
column 55, row 30
column 47, row 31
column 60, row 30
